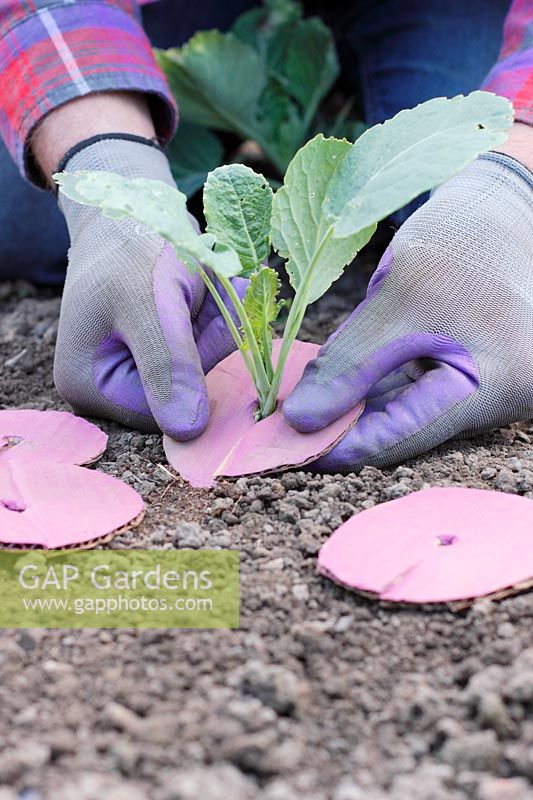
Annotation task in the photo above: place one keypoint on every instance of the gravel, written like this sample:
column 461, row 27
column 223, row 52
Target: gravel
column 320, row 694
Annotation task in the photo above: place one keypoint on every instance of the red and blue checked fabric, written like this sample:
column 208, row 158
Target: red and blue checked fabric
column 512, row 76
column 52, row 51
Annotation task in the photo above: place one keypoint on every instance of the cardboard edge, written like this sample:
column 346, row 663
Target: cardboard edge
column 428, row 605
column 192, row 483
column 78, row 546
column 93, row 459
column 219, row 476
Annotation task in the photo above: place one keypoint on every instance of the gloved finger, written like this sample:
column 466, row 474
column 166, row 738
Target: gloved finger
column 322, row 396
column 387, row 387
column 162, row 343
column 94, row 369
column 117, row 378
column 379, row 401
column 415, row 419
column 213, row 337
column 103, row 383
column 392, row 385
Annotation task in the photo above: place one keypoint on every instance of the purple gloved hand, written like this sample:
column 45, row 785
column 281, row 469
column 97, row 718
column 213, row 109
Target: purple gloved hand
column 443, row 343
column 137, row 331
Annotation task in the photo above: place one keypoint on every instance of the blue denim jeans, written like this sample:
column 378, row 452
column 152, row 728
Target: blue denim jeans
column 394, row 55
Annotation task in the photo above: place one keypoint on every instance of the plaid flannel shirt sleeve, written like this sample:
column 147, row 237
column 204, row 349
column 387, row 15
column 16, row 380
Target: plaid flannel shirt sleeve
column 52, row 51
column 512, row 76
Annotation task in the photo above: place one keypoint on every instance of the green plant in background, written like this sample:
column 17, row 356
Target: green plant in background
column 333, row 196
column 264, row 80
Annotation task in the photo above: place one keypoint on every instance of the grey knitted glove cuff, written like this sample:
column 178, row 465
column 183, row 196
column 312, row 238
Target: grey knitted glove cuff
column 511, row 163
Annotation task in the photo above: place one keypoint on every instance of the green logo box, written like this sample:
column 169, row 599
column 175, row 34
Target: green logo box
column 119, row 589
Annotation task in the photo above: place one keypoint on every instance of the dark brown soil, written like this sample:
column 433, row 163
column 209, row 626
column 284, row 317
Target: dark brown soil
column 321, row 694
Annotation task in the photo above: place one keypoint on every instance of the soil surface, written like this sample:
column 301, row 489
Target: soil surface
column 321, row 694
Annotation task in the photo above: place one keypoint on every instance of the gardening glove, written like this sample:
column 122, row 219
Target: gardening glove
column 443, row 343
column 137, row 330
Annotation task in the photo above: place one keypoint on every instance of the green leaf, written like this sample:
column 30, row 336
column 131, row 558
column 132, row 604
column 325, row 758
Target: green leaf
column 282, row 125
column 419, row 148
column 156, row 204
column 237, row 208
column 257, row 26
column 262, row 308
column 217, row 80
column 263, row 80
column 247, row 28
column 311, row 65
column 302, row 64
column 193, row 152
column 299, row 53
column 299, row 226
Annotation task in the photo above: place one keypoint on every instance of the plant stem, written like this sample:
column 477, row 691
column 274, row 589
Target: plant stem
column 294, row 321
column 290, row 333
column 261, row 380
column 229, row 321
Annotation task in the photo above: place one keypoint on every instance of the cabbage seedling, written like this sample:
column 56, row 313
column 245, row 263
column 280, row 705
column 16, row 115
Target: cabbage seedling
column 332, row 198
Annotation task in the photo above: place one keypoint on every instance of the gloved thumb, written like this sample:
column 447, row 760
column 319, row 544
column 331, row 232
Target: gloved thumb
column 338, row 379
